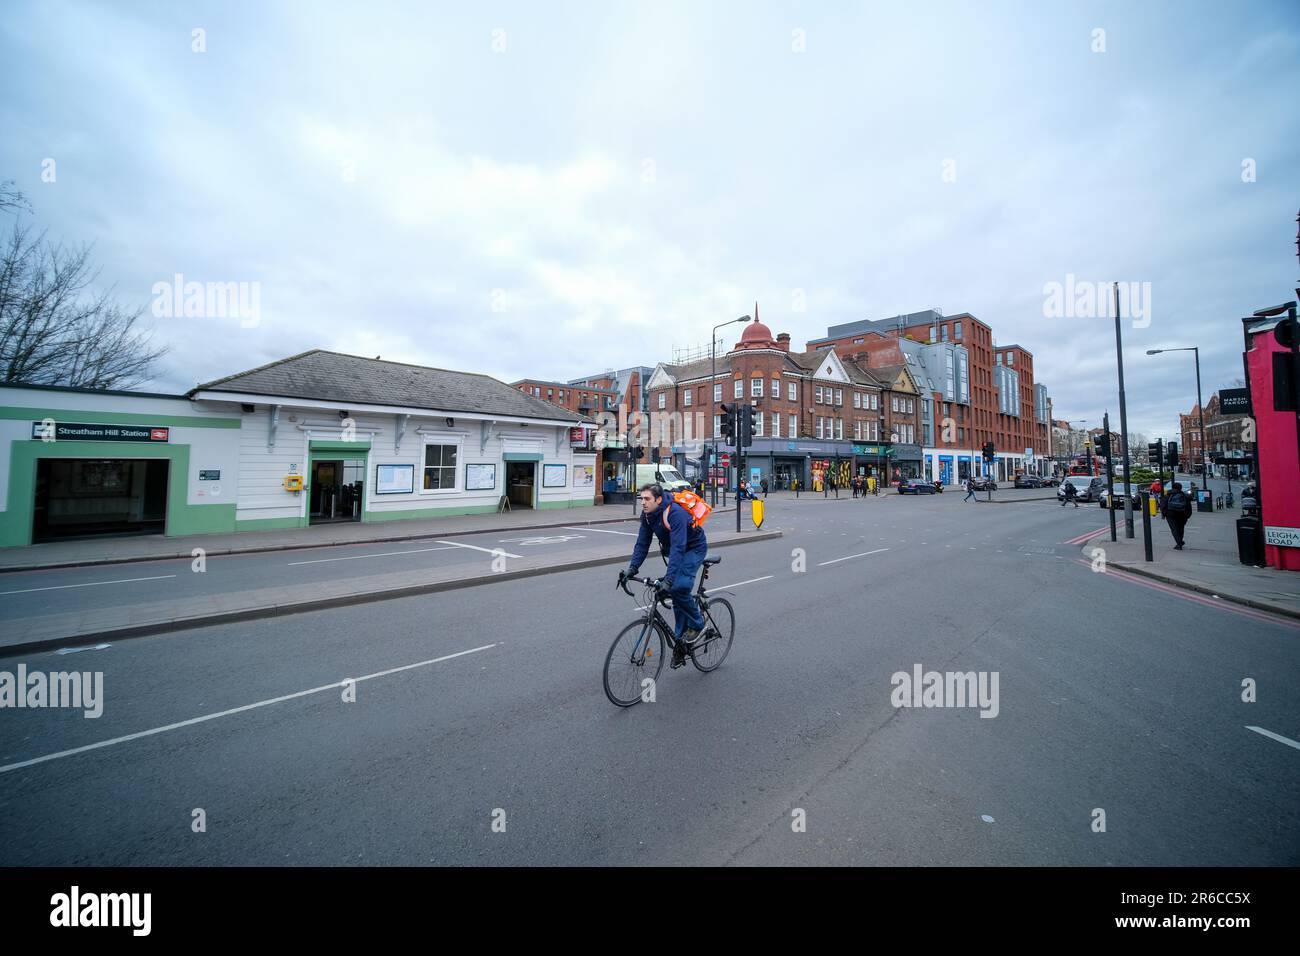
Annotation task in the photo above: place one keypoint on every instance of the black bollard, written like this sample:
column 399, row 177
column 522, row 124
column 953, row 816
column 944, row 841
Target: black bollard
column 1146, row 525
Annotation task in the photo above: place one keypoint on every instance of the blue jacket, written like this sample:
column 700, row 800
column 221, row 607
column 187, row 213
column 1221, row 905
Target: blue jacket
column 675, row 540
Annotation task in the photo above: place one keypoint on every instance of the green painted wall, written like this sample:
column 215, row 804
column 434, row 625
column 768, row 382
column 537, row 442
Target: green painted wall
column 427, row 513
column 182, row 517
column 114, row 418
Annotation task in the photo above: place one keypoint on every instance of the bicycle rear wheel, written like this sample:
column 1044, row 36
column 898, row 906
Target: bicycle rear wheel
column 721, row 618
column 637, row 653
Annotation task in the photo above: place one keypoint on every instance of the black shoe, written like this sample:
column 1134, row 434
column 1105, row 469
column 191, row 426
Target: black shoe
column 679, row 655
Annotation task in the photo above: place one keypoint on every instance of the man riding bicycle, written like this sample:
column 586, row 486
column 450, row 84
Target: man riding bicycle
column 685, row 548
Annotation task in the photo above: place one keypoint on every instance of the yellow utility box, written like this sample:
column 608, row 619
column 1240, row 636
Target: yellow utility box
column 293, row 483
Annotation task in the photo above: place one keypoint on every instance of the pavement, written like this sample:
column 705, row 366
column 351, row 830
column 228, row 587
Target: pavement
column 84, row 552
column 1208, row 564
column 397, row 733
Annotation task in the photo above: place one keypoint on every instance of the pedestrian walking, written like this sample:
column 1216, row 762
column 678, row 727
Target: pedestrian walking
column 1071, row 494
column 970, row 490
column 763, row 485
column 1178, row 508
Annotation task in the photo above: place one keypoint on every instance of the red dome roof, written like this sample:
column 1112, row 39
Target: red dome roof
column 756, row 333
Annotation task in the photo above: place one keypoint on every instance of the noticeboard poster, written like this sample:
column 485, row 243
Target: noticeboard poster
column 584, row 476
column 480, row 477
column 555, row 476
column 394, row 479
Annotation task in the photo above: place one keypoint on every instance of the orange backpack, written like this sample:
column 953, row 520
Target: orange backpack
column 696, row 506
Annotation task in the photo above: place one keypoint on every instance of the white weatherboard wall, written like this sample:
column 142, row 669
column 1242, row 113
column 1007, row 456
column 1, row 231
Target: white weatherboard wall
column 261, row 495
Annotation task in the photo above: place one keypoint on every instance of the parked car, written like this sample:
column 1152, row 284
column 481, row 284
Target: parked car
column 1114, row 498
column 984, row 483
column 1028, row 481
column 1089, row 489
column 915, row 486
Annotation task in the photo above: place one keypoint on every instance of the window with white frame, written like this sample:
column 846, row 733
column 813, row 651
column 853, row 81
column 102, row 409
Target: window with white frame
column 776, row 388
column 894, row 401
column 663, row 400
column 440, row 467
column 756, row 388
column 857, row 429
column 738, row 388
column 717, row 426
column 857, row 399
column 758, row 423
column 776, row 425
column 687, row 398
column 717, row 393
column 793, row 430
column 875, row 401
column 839, row 428
column 819, row 426
column 819, row 394
column 839, row 396
column 791, row 393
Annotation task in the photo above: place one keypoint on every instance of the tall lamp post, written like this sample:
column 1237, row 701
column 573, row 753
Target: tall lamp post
column 1200, row 406
column 713, row 384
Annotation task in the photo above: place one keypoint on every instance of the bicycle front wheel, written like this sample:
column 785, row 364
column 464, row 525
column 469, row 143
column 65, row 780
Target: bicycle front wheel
column 721, row 619
column 637, row 654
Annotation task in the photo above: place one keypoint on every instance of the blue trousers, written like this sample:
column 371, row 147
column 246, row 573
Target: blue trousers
column 685, row 611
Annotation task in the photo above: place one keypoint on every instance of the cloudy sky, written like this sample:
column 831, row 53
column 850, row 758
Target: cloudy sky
column 553, row 189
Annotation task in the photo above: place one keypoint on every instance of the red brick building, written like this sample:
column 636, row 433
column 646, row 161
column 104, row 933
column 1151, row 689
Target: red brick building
column 975, row 391
column 816, row 413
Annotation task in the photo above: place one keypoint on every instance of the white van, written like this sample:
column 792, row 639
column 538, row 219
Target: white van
column 666, row 475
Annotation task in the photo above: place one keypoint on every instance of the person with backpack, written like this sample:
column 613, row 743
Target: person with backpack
column 684, row 547
column 1071, row 494
column 763, row 485
column 1178, row 508
column 970, row 490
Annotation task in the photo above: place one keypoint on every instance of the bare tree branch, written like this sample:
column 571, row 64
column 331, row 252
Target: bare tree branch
column 54, row 330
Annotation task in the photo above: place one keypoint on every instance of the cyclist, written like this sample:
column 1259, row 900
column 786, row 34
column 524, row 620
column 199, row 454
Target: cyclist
column 685, row 547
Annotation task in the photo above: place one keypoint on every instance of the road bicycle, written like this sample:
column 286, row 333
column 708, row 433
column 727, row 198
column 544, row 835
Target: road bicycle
column 637, row 654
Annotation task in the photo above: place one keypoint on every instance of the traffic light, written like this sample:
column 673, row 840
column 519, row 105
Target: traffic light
column 729, row 423
column 989, row 451
column 746, row 426
column 1154, row 453
column 638, row 452
column 1171, row 454
column 1103, row 445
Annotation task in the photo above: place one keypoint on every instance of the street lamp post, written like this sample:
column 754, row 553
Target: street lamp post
column 1200, row 406
column 713, row 382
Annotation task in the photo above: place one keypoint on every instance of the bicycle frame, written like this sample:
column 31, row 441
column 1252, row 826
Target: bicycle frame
column 653, row 615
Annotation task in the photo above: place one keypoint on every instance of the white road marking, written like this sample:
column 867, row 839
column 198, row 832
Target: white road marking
column 78, row 650
column 1278, row 737
column 542, row 539
column 862, row 555
column 235, row 710
column 473, row 547
column 601, row 530
column 89, row 584
column 358, row 557
column 739, row 584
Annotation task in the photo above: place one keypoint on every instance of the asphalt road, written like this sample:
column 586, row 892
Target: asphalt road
column 1113, row 695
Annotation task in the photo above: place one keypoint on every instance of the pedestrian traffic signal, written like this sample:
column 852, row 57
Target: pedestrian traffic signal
column 1154, row 453
column 746, row 426
column 989, row 451
column 1171, row 454
column 729, row 423
column 1103, row 445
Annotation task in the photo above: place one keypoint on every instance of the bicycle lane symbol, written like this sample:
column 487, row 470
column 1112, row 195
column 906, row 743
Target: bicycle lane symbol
column 545, row 539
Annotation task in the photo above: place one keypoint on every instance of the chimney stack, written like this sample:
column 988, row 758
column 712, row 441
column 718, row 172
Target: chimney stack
column 783, row 341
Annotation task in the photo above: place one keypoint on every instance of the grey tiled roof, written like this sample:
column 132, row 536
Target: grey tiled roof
column 352, row 380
